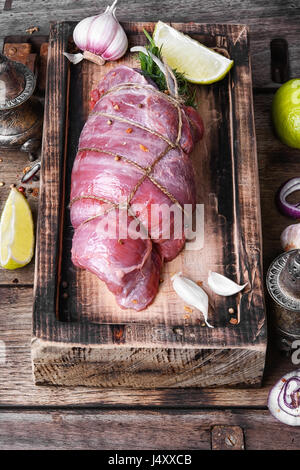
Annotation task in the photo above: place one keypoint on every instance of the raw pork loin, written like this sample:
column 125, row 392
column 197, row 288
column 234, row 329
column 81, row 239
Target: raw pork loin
column 131, row 126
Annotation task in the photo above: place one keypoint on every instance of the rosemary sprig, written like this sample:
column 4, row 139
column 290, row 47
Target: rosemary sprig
column 151, row 70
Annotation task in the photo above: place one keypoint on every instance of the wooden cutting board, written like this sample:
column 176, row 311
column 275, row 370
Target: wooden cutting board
column 80, row 335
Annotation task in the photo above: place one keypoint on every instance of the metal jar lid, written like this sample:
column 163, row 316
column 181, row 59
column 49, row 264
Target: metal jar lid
column 283, row 280
column 17, row 83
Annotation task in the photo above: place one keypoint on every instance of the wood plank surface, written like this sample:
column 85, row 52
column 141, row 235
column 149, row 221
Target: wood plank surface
column 276, row 163
column 51, row 203
column 17, row 388
column 266, row 21
column 139, row 430
column 225, row 163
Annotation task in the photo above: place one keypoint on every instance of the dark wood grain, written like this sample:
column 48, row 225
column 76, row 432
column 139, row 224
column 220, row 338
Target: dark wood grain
column 226, row 170
column 116, row 430
column 52, row 194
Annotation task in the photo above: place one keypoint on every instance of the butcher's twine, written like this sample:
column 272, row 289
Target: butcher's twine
column 177, row 102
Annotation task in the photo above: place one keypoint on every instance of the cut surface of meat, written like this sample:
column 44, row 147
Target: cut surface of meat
column 130, row 180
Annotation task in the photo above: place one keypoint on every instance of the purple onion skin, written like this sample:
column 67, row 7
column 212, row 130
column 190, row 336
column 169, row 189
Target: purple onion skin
column 279, row 401
column 289, row 210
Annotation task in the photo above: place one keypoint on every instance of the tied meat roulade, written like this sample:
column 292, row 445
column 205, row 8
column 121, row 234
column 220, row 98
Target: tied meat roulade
column 132, row 156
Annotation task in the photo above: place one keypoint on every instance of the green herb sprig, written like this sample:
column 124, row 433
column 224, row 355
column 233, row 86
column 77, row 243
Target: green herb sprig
column 151, row 70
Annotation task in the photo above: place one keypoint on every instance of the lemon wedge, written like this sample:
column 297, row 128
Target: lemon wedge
column 196, row 62
column 16, row 232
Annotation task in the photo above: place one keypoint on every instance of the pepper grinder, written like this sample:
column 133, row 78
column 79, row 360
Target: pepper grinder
column 283, row 283
column 21, row 114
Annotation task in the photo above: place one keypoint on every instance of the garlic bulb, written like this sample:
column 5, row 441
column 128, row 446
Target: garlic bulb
column 290, row 237
column 192, row 294
column 221, row 285
column 101, row 37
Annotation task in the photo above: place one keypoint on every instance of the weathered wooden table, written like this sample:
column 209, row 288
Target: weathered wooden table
column 85, row 418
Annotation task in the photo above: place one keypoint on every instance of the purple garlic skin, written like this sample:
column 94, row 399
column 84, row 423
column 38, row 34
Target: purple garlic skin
column 102, row 35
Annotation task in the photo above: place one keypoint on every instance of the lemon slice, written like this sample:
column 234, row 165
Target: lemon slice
column 196, row 62
column 16, row 232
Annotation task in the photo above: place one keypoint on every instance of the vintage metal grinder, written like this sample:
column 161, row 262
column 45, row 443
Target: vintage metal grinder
column 283, row 283
column 21, row 114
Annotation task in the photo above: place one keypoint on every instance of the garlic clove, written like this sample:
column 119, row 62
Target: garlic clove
column 221, row 285
column 117, row 47
column 192, row 294
column 101, row 33
column 74, row 58
column 290, row 237
column 80, row 33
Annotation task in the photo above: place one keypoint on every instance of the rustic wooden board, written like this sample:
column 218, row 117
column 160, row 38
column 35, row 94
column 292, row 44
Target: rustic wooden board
column 216, row 162
column 141, row 430
column 228, row 186
column 17, row 388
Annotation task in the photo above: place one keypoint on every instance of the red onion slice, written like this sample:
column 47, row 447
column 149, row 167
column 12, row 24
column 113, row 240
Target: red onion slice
column 289, row 187
column 284, row 399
